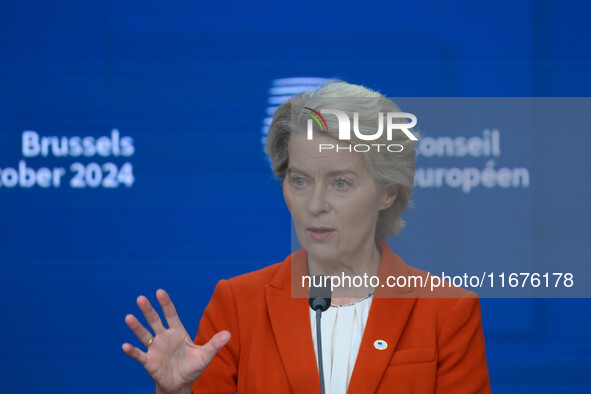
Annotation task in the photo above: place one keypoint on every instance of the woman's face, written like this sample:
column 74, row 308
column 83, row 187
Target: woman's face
column 333, row 199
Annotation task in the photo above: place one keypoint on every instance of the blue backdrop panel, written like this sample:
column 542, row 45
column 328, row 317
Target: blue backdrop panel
column 194, row 201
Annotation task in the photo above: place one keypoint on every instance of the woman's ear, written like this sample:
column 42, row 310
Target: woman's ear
column 388, row 198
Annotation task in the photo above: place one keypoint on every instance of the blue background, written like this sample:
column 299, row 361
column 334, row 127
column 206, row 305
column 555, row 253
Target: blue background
column 186, row 77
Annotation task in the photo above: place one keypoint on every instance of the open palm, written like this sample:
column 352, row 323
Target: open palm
column 172, row 359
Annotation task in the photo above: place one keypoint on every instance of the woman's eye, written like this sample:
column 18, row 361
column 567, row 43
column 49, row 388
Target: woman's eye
column 298, row 181
column 341, row 184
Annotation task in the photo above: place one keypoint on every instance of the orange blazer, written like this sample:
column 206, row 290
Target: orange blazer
column 434, row 344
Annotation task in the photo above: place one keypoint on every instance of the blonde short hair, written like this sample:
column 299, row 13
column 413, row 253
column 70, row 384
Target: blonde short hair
column 391, row 171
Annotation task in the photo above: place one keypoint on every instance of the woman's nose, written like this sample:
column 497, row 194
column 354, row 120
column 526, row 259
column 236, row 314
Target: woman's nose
column 318, row 202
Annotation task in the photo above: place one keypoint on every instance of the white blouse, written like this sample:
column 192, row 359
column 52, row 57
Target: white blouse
column 342, row 330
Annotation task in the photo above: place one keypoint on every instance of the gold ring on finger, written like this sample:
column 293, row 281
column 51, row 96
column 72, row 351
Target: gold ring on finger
column 150, row 342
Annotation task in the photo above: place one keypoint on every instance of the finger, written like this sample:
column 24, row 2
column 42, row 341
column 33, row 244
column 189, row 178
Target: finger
column 216, row 342
column 172, row 318
column 138, row 329
column 150, row 314
column 134, row 353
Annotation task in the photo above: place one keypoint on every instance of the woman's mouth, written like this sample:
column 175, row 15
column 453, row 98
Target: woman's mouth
column 320, row 233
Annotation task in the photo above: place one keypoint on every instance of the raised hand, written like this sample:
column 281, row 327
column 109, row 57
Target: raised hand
column 172, row 359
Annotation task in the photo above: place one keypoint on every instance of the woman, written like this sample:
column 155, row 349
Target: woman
column 257, row 335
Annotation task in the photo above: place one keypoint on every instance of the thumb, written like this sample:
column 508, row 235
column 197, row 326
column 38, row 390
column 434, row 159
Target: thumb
column 216, row 342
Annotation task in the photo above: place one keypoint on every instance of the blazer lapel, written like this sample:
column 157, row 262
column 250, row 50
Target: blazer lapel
column 290, row 321
column 389, row 312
